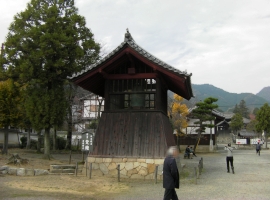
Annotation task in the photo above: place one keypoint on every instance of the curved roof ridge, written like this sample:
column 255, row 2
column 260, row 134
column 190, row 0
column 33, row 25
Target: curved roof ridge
column 128, row 39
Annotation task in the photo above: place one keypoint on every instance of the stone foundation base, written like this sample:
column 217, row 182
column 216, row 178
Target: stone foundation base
column 134, row 168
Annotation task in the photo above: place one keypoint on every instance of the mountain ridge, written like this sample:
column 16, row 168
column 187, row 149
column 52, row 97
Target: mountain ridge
column 226, row 100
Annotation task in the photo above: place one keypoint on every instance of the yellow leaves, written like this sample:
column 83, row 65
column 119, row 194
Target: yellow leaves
column 179, row 111
column 178, row 98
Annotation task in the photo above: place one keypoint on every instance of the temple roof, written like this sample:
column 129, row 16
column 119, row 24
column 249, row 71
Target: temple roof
column 179, row 77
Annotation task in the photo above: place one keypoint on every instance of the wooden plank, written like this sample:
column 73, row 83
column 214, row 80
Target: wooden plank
column 135, row 134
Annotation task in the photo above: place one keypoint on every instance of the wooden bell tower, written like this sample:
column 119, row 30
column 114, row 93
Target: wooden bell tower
column 135, row 84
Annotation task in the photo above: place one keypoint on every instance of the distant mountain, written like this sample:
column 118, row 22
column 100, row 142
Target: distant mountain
column 265, row 93
column 226, row 100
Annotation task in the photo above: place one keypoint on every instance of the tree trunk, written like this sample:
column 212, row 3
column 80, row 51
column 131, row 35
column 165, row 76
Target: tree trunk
column 5, row 143
column 39, row 141
column 54, row 139
column 69, row 133
column 28, row 139
column 266, row 138
column 47, row 152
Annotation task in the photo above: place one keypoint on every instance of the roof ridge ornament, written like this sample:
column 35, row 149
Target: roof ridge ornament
column 128, row 36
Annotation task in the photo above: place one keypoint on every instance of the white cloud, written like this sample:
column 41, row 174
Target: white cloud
column 224, row 43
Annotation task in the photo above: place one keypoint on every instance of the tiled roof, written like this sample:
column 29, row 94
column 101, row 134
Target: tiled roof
column 130, row 41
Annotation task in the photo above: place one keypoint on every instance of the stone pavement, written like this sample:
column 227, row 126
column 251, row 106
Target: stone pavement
column 250, row 181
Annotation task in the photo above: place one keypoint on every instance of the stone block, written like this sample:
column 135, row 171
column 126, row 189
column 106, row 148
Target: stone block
column 91, row 159
column 103, row 168
column 143, row 165
column 99, row 160
column 149, row 176
column 113, row 172
column 125, row 160
column 143, row 171
column 112, row 166
column 129, row 166
column 132, row 160
column 95, row 166
column 52, row 167
column 159, row 161
column 141, row 160
column 117, row 160
column 123, row 172
column 149, row 161
column 136, row 176
column 151, row 168
column 107, row 160
column 136, row 164
column 29, row 172
column 68, row 171
column 131, row 172
column 4, row 168
column 39, row 172
column 138, row 168
column 12, row 171
column 122, row 165
column 21, row 172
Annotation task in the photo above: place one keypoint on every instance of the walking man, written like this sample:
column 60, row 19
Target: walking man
column 229, row 158
column 170, row 174
column 258, row 148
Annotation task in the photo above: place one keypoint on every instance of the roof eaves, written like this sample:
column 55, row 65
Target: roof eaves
column 130, row 41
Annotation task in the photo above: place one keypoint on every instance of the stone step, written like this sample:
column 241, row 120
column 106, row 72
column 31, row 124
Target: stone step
column 65, row 169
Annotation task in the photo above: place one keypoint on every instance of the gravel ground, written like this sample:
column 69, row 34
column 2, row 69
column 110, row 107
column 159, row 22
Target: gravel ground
column 250, row 181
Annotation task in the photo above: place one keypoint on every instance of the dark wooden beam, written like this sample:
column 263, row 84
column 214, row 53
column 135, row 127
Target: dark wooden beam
column 129, row 76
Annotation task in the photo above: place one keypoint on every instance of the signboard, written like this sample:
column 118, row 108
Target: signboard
column 256, row 140
column 87, row 142
column 241, row 141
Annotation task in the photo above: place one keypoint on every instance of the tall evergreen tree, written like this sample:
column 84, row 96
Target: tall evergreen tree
column 203, row 112
column 236, row 109
column 243, row 109
column 47, row 43
column 263, row 118
column 236, row 122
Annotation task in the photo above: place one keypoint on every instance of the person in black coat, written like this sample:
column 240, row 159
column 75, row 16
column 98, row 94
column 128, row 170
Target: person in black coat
column 170, row 174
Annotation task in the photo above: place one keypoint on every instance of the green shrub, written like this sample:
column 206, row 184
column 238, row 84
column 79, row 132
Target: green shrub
column 23, row 142
column 33, row 144
column 61, row 143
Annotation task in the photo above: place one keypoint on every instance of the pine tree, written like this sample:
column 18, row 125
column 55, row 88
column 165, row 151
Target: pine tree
column 47, row 43
column 203, row 112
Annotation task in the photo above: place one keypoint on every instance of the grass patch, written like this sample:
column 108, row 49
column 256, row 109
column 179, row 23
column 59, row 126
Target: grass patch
column 184, row 174
column 22, row 195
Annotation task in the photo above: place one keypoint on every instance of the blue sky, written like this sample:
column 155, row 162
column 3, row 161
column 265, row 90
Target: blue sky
column 224, row 43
